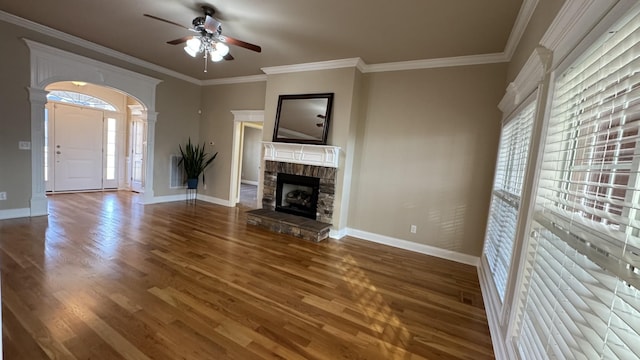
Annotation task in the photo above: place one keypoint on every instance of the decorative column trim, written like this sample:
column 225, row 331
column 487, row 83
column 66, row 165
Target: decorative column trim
column 151, row 117
column 50, row 65
column 38, row 202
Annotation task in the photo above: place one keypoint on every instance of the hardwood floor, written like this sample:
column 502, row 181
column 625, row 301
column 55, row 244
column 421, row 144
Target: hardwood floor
column 104, row 277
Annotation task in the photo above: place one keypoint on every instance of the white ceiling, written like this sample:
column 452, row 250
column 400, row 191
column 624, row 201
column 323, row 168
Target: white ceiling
column 289, row 31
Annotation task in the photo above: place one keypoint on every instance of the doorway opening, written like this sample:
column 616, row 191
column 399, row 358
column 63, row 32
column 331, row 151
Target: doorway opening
column 94, row 139
column 251, row 139
column 246, row 162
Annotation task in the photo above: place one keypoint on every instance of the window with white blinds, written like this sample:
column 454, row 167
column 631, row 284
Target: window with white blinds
column 505, row 199
column 581, row 299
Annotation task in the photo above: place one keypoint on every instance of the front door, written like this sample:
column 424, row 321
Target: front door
column 77, row 150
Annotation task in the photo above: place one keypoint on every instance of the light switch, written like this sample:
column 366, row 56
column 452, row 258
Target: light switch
column 24, row 145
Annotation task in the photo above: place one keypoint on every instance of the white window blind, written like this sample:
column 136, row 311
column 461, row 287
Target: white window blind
column 581, row 298
column 505, row 200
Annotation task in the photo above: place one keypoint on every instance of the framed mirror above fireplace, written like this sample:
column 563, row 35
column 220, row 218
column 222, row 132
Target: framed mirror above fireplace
column 303, row 118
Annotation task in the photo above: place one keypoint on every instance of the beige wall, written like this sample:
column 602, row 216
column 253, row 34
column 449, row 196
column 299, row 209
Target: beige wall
column 542, row 17
column 15, row 165
column 217, row 125
column 251, row 152
column 426, row 155
column 341, row 82
column 177, row 103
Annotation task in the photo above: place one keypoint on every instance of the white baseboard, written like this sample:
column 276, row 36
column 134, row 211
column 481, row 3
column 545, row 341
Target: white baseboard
column 492, row 306
column 338, row 234
column 215, row 200
column 167, row 198
column 15, row 213
column 416, row 247
column 249, row 182
column 183, row 197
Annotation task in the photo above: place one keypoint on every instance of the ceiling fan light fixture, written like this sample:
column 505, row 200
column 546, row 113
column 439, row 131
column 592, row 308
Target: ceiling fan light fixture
column 190, row 51
column 221, row 48
column 194, row 43
column 215, row 56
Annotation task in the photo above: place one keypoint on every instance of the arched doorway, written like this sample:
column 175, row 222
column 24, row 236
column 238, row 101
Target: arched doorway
column 93, row 139
column 50, row 65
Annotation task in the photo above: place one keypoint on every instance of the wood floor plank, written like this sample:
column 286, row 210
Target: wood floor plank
column 104, row 277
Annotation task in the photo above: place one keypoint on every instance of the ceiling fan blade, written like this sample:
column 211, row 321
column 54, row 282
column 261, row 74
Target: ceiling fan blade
column 179, row 41
column 228, row 57
column 236, row 42
column 167, row 21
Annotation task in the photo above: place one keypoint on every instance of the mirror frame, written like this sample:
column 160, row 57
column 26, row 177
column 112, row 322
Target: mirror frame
column 327, row 115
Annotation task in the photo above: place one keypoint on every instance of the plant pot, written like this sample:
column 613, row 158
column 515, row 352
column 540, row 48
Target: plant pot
column 192, row 183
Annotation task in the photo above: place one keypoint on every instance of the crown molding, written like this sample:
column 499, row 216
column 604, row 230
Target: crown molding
column 575, row 20
column 393, row 66
column 234, row 80
column 320, row 65
column 519, row 27
column 248, row 115
column 30, row 25
column 437, row 63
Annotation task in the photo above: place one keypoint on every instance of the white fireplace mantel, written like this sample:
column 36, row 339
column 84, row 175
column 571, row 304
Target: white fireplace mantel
column 318, row 155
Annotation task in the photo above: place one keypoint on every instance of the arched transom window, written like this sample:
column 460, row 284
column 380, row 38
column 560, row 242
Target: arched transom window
column 71, row 97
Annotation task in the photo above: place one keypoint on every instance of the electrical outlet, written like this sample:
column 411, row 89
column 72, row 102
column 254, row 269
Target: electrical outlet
column 3, row 195
column 414, row 229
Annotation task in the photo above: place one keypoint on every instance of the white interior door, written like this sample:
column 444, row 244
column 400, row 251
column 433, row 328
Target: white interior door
column 138, row 142
column 78, row 148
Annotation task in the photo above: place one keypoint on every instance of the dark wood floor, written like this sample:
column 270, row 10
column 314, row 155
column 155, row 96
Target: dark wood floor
column 104, row 277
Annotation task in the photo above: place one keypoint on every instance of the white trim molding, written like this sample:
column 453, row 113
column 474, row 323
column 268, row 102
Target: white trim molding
column 519, row 27
column 14, row 213
column 235, row 80
column 415, row 247
column 183, row 197
column 436, row 63
column 318, row 155
column 50, row 65
column 248, row 115
column 493, row 308
column 27, row 24
column 215, row 200
column 240, row 117
column 527, row 80
column 320, row 65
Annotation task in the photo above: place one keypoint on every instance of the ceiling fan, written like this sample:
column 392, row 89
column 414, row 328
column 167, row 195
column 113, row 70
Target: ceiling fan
column 209, row 39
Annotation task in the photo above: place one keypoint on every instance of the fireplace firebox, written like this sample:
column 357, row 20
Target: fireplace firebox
column 297, row 195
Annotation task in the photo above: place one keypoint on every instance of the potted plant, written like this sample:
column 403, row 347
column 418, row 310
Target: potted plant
column 194, row 160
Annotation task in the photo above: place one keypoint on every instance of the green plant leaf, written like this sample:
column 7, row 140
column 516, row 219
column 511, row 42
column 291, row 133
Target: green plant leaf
column 194, row 159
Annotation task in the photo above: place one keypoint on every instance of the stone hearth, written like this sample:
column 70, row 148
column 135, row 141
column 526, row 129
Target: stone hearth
column 318, row 161
column 283, row 223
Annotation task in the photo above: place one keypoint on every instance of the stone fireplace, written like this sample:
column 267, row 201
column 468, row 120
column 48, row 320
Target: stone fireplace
column 324, row 176
column 299, row 180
